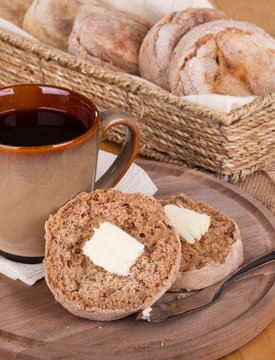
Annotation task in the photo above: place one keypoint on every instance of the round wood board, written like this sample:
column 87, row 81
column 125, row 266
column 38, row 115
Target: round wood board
column 34, row 326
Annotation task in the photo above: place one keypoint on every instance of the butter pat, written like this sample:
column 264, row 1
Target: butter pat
column 146, row 312
column 113, row 249
column 188, row 223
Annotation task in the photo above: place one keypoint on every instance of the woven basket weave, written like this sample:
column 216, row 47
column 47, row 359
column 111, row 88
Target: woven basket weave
column 172, row 129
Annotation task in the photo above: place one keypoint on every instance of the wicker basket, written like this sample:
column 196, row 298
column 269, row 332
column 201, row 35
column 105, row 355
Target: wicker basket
column 172, row 129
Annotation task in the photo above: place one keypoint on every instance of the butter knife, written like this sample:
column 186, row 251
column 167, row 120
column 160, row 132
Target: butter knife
column 200, row 299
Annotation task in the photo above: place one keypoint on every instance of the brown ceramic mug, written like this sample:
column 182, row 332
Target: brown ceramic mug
column 49, row 142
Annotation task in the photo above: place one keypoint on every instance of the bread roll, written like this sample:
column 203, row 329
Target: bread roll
column 224, row 57
column 14, row 10
column 88, row 290
column 108, row 37
column 218, row 253
column 160, row 41
column 51, row 21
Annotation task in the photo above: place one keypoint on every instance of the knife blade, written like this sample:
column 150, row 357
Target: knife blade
column 200, row 299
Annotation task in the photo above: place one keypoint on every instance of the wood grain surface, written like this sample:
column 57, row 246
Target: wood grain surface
column 34, row 326
column 262, row 347
column 260, row 13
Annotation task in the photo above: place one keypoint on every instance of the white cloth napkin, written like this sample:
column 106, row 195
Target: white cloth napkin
column 28, row 273
column 8, row 26
column 154, row 10
column 135, row 180
column 221, row 103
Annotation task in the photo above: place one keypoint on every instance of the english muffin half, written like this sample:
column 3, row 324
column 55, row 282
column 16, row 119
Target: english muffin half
column 218, row 253
column 88, row 290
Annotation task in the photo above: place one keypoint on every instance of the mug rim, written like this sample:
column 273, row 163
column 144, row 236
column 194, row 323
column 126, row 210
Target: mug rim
column 58, row 146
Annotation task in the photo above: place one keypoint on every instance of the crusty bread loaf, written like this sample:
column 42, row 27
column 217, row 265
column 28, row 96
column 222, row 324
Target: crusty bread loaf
column 90, row 291
column 51, row 21
column 108, row 37
column 224, row 57
column 14, row 10
column 216, row 255
column 160, row 41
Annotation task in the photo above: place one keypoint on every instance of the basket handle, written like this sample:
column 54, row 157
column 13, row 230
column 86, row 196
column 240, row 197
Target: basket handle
column 128, row 152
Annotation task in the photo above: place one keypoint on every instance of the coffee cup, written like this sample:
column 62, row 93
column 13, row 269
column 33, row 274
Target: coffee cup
column 49, row 143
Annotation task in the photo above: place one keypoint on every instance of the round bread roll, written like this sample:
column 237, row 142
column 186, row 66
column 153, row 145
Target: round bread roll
column 224, row 57
column 88, row 290
column 51, row 21
column 14, row 10
column 160, row 41
column 108, row 37
column 218, row 253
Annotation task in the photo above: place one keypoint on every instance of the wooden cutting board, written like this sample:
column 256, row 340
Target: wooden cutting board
column 34, row 326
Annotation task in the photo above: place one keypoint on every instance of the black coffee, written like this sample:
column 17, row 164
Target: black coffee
column 38, row 127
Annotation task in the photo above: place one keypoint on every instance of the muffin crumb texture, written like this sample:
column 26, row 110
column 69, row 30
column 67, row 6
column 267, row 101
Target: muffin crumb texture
column 76, row 281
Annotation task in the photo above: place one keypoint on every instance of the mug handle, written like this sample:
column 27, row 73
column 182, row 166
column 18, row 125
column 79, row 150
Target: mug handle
column 128, row 152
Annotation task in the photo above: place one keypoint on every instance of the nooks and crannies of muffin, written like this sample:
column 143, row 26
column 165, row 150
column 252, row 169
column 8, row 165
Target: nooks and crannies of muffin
column 90, row 291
